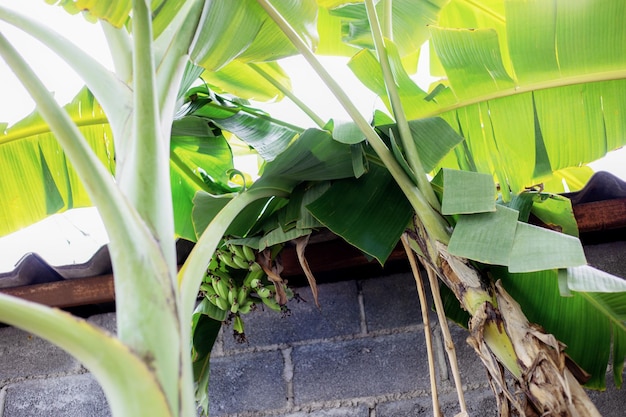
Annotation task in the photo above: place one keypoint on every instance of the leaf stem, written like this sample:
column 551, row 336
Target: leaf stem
column 396, row 104
column 288, row 93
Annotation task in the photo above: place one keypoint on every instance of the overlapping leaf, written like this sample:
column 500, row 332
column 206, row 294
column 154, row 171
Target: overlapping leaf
column 240, row 29
column 346, row 23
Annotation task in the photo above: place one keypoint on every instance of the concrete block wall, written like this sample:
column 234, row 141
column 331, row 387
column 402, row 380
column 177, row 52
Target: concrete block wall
column 361, row 355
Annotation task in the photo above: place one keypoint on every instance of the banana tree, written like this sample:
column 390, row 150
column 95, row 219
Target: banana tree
column 485, row 92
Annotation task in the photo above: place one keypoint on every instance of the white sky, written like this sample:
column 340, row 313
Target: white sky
column 74, row 236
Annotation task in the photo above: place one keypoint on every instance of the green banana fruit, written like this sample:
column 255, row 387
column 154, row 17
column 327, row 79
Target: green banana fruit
column 232, row 293
column 207, row 289
column 227, row 259
column 242, row 294
column 220, row 286
column 221, row 303
column 263, row 292
column 241, row 263
column 248, row 254
column 272, row 304
column 246, row 307
column 237, row 251
column 238, row 324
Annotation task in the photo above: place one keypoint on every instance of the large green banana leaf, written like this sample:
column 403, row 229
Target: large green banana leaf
column 532, row 86
column 37, row 180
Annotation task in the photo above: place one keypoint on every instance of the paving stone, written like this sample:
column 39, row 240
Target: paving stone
column 361, row 411
column 247, row 382
column 68, row 396
column 360, row 367
column 24, row 355
column 339, row 315
column 391, row 302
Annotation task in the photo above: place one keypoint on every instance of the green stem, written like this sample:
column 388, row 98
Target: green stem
column 434, row 223
column 406, row 136
column 144, row 177
column 171, row 68
column 288, row 93
column 121, row 50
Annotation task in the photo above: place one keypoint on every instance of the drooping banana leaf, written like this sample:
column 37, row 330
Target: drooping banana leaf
column 268, row 136
column 370, row 212
column 313, row 156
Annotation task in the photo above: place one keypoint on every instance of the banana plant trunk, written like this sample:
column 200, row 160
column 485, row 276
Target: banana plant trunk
column 542, row 380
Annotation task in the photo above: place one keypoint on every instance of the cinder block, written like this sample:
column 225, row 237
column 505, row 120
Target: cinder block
column 608, row 257
column 339, row 315
column 391, row 302
column 107, row 321
column 24, row 355
column 479, row 403
column 419, row 406
column 68, row 396
column 247, row 382
column 363, row 367
column 360, row 411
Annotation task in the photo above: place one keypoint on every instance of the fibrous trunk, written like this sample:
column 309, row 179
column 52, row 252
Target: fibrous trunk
column 528, row 369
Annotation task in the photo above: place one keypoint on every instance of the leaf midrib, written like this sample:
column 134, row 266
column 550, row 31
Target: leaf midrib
column 521, row 89
column 41, row 128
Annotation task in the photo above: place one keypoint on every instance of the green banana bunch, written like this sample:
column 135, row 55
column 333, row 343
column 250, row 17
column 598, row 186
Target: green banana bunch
column 233, row 295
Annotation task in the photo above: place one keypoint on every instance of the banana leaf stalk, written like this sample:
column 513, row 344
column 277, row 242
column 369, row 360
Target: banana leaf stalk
column 545, row 385
column 419, row 283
